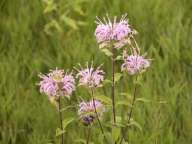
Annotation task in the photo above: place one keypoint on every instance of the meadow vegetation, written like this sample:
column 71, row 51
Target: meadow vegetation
column 39, row 35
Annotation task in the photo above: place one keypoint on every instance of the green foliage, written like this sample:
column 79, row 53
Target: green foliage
column 27, row 117
column 60, row 12
column 117, row 77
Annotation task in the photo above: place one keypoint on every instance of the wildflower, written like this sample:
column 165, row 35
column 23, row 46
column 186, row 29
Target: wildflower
column 116, row 32
column 103, row 33
column 134, row 64
column 90, row 77
column 87, row 111
column 121, row 29
column 57, row 83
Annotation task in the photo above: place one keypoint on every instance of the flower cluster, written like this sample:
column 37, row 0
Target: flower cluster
column 90, row 77
column 87, row 111
column 117, row 32
column 57, row 83
column 134, row 64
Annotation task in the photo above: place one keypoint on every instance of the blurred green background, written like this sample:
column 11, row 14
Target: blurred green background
column 38, row 35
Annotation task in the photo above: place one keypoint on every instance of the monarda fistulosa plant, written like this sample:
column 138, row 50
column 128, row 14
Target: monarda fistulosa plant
column 116, row 39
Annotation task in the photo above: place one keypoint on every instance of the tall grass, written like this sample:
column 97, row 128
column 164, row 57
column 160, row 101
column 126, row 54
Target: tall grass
column 164, row 28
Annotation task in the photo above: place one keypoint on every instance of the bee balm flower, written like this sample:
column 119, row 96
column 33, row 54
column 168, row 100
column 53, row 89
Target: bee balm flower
column 87, row 111
column 90, row 77
column 134, row 64
column 116, row 32
column 57, row 83
column 103, row 33
column 121, row 29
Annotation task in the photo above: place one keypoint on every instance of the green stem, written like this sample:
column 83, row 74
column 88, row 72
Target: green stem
column 113, row 85
column 99, row 122
column 131, row 111
column 61, row 121
column 88, row 135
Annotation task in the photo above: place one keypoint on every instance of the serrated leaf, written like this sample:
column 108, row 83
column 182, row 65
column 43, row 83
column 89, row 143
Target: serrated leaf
column 104, row 99
column 69, row 21
column 67, row 121
column 117, row 76
column 106, row 52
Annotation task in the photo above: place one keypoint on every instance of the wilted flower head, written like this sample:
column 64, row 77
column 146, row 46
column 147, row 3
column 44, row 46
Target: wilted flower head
column 108, row 31
column 90, row 77
column 57, row 83
column 87, row 111
column 134, row 64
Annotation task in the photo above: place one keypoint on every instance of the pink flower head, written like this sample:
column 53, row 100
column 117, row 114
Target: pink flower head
column 87, row 111
column 56, row 83
column 90, row 77
column 121, row 29
column 108, row 31
column 103, row 33
column 134, row 64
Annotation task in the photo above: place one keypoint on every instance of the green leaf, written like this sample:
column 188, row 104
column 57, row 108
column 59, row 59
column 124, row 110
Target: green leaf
column 108, row 137
column 67, row 121
column 128, row 95
column 66, row 108
column 122, row 103
column 106, row 81
column 78, row 9
column 50, row 7
column 69, row 21
column 53, row 24
column 143, row 100
column 119, row 58
column 82, row 23
column 115, row 133
column 103, row 45
column 106, row 52
column 118, row 119
column 80, row 141
column 118, row 76
column 101, row 138
column 104, row 99
column 136, row 124
column 59, row 132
